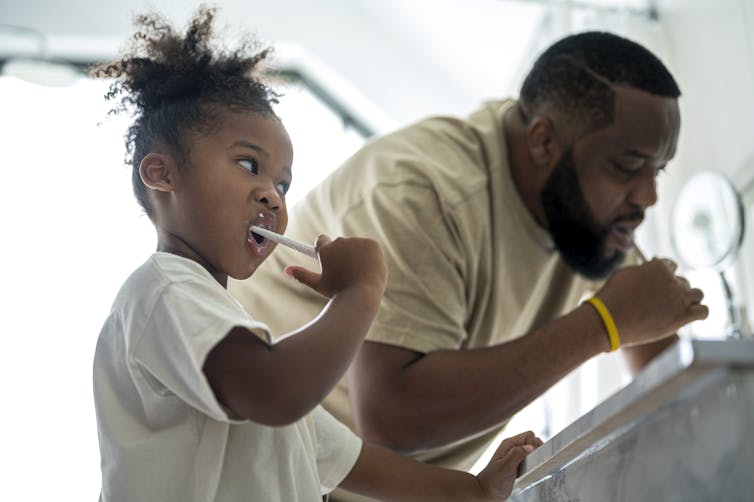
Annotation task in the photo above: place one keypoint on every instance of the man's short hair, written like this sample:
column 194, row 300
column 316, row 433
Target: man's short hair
column 575, row 77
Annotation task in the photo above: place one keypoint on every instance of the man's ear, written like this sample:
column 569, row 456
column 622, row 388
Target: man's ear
column 156, row 172
column 543, row 142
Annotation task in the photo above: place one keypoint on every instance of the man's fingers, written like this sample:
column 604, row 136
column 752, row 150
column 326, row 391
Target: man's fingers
column 696, row 295
column 697, row 312
column 670, row 264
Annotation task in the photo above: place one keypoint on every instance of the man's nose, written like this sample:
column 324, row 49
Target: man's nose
column 644, row 191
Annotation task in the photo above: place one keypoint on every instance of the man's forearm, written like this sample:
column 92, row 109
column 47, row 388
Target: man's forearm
column 446, row 396
column 638, row 356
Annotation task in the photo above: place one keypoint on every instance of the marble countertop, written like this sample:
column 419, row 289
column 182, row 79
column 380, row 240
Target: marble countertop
column 682, row 367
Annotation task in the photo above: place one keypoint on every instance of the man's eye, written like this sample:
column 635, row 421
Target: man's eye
column 626, row 171
column 283, row 188
column 250, row 165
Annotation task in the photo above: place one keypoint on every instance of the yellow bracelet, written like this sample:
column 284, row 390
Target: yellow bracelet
column 607, row 320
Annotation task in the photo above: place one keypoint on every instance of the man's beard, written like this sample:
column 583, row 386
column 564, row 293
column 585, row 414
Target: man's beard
column 576, row 234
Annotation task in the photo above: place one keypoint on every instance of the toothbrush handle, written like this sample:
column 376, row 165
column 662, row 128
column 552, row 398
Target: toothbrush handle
column 306, row 249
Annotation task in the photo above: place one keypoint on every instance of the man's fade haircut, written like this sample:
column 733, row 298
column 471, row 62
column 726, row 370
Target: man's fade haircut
column 575, row 76
column 174, row 84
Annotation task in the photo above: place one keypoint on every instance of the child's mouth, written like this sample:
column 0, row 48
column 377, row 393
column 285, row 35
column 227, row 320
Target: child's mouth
column 259, row 243
column 257, row 237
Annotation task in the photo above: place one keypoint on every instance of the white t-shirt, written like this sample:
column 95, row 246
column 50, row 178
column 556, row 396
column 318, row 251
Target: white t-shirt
column 163, row 435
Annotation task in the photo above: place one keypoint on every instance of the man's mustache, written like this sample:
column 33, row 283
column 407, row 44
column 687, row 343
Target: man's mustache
column 633, row 217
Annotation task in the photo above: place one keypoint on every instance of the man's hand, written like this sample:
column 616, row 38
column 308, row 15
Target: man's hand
column 649, row 301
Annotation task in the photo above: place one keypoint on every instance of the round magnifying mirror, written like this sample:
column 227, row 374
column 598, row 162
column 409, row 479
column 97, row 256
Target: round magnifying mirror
column 707, row 225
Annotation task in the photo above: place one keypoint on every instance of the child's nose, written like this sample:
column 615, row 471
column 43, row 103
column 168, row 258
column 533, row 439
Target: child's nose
column 270, row 197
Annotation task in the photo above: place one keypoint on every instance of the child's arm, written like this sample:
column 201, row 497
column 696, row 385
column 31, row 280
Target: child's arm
column 380, row 473
column 278, row 384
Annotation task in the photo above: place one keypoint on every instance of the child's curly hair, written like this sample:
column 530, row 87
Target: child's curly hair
column 174, row 84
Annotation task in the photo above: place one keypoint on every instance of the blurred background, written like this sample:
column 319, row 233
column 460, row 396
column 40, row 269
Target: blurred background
column 349, row 69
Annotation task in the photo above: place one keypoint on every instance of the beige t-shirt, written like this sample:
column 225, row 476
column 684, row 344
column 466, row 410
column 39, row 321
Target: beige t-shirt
column 468, row 265
column 163, row 435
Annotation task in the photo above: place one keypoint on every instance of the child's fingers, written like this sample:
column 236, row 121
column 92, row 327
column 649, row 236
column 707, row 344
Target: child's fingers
column 303, row 275
column 322, row 240
column 532, row 439
column 513, row 461
column 521, row 439
column 515, row 456
column 500, row 474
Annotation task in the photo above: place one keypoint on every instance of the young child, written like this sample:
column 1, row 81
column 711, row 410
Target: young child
column 194, row 402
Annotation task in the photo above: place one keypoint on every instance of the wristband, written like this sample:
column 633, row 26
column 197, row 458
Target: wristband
column 607, row 320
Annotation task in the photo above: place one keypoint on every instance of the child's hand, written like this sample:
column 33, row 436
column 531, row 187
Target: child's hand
column 346, row 263
column 498, row 477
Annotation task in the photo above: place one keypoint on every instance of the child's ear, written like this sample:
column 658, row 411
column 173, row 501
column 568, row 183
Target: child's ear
column 156, row 173
column 544, row 146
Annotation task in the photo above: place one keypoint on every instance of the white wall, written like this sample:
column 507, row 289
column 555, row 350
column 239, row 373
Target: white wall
column 712, row 50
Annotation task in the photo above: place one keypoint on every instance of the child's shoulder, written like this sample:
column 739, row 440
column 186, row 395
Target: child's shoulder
column 167, row 268
column 157, row 274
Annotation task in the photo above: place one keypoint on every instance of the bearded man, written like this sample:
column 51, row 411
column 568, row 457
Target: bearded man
column 496, row 227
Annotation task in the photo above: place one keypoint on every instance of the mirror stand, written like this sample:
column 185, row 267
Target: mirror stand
column 738, row 321
column 734, row 322
column 706, row 234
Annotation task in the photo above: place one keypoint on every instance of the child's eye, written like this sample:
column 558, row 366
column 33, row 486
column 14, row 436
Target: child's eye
column 250, row 165
column 283, row 188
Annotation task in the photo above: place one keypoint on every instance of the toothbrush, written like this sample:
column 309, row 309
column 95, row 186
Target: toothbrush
column 285, row 241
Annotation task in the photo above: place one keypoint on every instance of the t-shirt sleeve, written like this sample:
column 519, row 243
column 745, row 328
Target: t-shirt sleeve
column 188, row 319
column 424, row 307
column 338, row 448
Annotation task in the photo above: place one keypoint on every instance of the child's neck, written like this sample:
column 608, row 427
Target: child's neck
column 175, row 245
